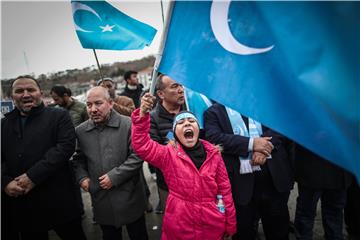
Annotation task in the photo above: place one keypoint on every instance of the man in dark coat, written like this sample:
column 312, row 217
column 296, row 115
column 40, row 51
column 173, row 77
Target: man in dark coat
column 37, row 185
column 319, row 179
column 133, row 89
column 262, row 193
column 171, row 100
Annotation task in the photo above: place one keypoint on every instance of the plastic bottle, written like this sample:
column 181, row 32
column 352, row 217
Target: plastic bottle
column 220, row 203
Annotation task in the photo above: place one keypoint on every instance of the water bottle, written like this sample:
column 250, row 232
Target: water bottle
column 220, row 203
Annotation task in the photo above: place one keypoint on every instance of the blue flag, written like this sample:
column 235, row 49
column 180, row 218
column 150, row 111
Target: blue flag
column 197, row 103
column 293, row 66
column 99, row 25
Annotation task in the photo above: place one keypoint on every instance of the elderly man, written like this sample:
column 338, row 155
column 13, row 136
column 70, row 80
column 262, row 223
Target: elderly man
column 108, row 169
column 35, row 172
column 125, row 106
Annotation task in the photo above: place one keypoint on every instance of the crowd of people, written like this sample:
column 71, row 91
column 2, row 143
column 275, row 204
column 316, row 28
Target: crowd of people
column 213, row 183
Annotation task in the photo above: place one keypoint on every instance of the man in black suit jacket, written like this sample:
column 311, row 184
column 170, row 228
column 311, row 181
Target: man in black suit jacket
column 36, row 179
column 261, row 194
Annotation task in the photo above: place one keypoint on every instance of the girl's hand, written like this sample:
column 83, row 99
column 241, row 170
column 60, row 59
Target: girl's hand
column 147, row 102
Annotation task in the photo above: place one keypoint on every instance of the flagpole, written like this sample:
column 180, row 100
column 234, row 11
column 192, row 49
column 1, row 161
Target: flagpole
column 162, row 11
column 161, row 47
column 97, row 61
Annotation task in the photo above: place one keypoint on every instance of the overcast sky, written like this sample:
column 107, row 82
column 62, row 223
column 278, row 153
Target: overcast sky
column 44, row 32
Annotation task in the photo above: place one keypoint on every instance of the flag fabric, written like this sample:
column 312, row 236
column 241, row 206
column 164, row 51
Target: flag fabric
column 196, row 103
column 293, row 66
column 99, row 25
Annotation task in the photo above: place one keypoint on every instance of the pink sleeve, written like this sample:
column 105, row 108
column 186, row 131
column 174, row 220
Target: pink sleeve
column 224, row 187
column 146, row 148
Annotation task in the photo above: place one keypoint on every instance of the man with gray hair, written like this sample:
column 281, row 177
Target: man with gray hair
column 109, row 170
column 171, row 101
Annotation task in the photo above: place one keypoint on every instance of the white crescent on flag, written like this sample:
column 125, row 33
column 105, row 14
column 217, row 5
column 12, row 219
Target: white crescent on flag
column 219, row 23
column 76, row 6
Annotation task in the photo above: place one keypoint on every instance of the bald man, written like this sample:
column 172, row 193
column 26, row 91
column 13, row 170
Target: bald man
column 109, row 170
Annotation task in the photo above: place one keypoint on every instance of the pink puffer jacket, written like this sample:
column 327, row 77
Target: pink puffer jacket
column 191, row 211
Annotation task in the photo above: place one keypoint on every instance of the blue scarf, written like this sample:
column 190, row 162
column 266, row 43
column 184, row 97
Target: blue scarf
column 239, row 128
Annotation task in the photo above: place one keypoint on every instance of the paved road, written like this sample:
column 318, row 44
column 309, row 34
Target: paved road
column 154, row 221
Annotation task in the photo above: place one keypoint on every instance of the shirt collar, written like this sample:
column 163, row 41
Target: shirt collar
column 113, row 121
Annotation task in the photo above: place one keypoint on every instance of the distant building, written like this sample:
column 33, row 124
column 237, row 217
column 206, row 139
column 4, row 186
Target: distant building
column 81, row 88
column 144, row 76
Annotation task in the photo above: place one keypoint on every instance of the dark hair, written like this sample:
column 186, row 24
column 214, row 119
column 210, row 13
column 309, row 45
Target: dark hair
column 128, row 74
column 61, row 90
column 25, row 76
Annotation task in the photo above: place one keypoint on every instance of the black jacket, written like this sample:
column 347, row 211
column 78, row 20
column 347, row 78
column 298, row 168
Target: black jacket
column 218, row 130
column 133, row 94
column 314, row 172
column 42, row 150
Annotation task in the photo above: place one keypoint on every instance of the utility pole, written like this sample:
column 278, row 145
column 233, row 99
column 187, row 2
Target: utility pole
column 26, row 62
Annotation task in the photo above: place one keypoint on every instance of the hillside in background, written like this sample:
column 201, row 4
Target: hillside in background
column 75, row 79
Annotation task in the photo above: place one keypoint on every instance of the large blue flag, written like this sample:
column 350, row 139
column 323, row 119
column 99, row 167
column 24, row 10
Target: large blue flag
column 99, row 25
column 197, row 103
column 293, row 66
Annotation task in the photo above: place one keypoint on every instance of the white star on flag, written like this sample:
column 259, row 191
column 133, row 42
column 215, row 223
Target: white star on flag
column 107, row 28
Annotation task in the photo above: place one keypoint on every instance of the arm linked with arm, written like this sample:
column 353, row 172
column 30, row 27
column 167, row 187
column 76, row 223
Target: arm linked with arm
column 232, row 144
column 79, row 163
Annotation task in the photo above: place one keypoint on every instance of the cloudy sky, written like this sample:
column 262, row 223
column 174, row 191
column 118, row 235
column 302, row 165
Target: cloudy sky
column 39, row 37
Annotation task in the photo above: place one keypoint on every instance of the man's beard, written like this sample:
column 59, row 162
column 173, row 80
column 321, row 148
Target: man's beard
column 28, row 110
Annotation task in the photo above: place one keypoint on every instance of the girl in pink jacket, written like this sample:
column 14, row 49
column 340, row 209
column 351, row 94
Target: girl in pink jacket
column 195, row 174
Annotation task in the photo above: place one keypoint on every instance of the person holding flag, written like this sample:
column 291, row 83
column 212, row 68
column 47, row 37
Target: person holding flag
column 195, row 174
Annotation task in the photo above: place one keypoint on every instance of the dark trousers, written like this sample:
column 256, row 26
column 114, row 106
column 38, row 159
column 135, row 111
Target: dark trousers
column 272, row 209
column 136, row 230
column 332, row 206
column 69, row 231
column 352, row 209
